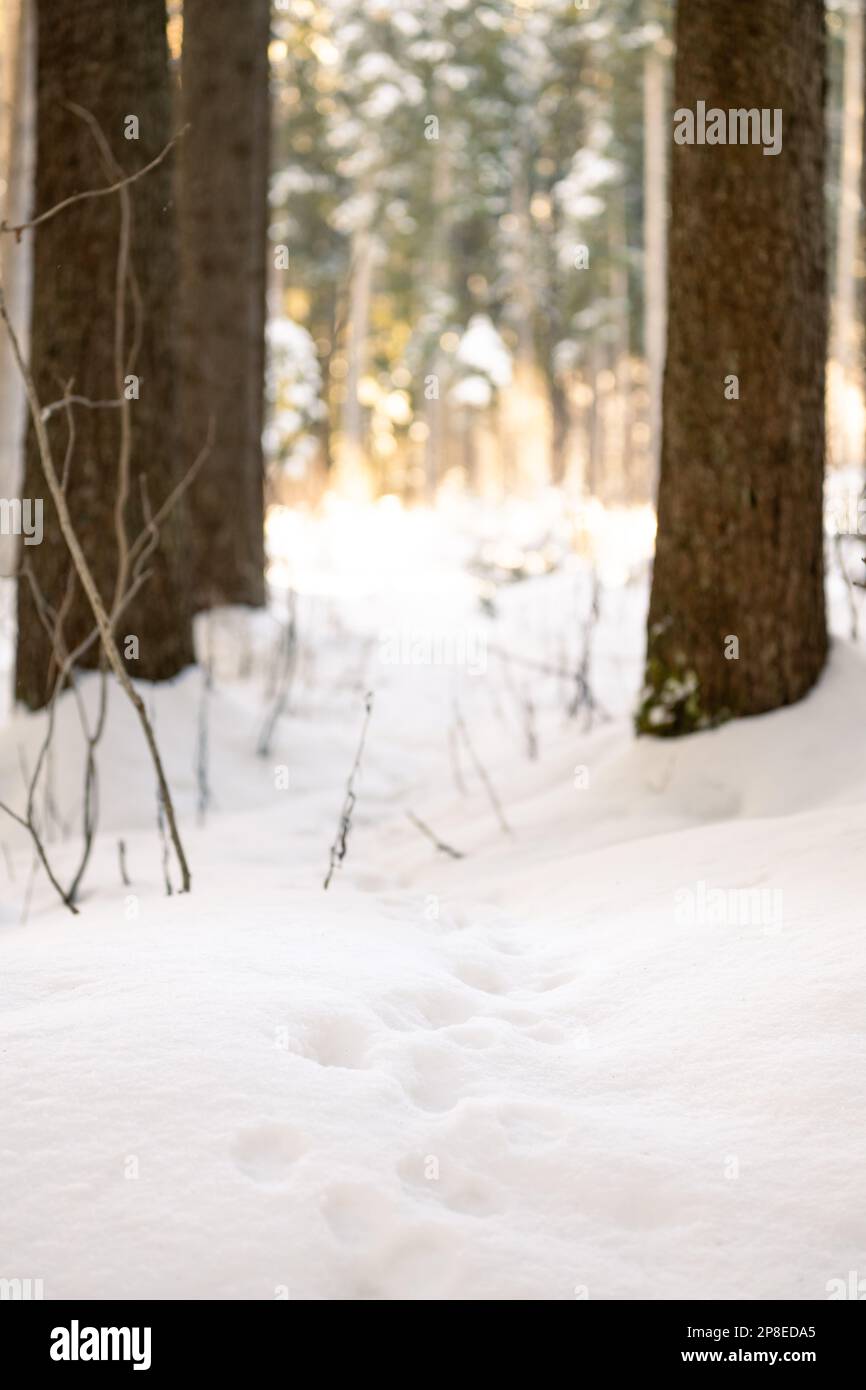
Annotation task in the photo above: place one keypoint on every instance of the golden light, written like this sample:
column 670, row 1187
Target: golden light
column 327, row 53
column 369, row 391
column 174, row 35
column 384, row 444
column 398, row 407
column 297, row 302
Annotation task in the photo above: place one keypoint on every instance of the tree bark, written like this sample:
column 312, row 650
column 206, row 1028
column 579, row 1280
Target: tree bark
column 16, row 162
column 740, row 542
column 109, row 57
column 655, row 238
column 223, row 199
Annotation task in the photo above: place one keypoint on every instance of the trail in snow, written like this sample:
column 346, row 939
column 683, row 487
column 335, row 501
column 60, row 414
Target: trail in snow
column 555, row 1068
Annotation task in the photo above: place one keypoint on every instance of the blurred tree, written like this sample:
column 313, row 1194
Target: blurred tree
column 223, row 192
column 108, row 57
column 846, row 449
column 737, row 623
column 17, row 139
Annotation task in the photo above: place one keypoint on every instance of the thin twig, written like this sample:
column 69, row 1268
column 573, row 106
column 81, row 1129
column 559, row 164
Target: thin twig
column 46, row 216
column 460, row 725
column 433, row 838
column 89, row 585
column 121, row 856
column 285, row 679
column 341, row 842
column 52, row 409
column 202, row 758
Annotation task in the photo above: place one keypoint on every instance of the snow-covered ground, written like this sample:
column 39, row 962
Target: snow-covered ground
column 616, row 1050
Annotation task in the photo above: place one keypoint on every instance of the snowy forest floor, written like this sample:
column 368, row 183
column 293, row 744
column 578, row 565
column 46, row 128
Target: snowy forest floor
column 542, row 1070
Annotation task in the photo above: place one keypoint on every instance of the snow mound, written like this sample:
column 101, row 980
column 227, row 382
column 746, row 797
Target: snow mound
column 616, row 1051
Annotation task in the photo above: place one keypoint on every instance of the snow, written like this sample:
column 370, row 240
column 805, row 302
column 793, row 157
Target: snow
column 524, row 1073
column 482, row 350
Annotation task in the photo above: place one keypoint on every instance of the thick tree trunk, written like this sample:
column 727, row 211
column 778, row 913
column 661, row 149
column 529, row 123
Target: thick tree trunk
column 109, row 57
column 656, row 138
column 16, row 168
column 223, row 190
column 740, row 544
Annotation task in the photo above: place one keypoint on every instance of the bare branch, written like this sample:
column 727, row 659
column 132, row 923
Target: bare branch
column 460, row 725
column 121, row 855
column 89, row 585
column 341, row 843
column 52, row 409
column 93, row 192
column 433, row 838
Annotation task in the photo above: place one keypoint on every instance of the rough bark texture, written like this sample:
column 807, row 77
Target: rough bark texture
column 740, row 545
column 16, row 161
column 656, row 134
column 223, row 210
column 108, row 56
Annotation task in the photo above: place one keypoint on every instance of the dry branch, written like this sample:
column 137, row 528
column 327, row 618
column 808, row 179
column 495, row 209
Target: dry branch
column 20, row 227
column 88, row 583
column 433, row 837
column 460, row 726
column 341, row 842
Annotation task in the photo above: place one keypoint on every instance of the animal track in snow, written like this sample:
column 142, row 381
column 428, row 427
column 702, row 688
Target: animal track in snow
column 439, row 1077
column 335, row 1042
column 480, row 975
column 356, row 1212
column 455, row 1187
column 266, row 1153
column 440, row 1009
column 478, row 1033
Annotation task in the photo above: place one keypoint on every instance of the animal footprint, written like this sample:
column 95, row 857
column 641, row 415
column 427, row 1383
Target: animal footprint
column 266, row 1153
column 478, row 974
column 356, row 1213
column 449, row 1185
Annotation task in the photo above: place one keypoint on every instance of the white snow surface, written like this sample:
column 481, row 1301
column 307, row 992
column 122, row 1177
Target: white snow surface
column 522, row 1074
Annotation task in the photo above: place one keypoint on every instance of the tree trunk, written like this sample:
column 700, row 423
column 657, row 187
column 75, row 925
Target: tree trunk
column 655, row 238
column 436, row 411
column 353, row 420
column 109, row 57
column 223, row 192
column 846, row 448
column 16, row 164
column 740, row 543
column 620, row 357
